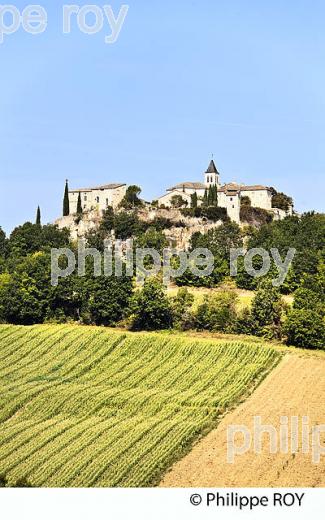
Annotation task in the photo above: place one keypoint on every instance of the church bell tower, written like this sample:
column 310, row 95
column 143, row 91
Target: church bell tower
column 212, row 176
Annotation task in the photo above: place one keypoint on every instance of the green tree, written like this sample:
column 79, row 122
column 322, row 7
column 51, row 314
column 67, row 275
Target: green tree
column 309, row 299
column 215, row 213
column 218, row 241
column 2, row 242
column 305, row 328
column 38, row 216
column 212, row 197
column 306, row 234
column 24, row 240
column 28, row 297
column 151, row 307
column 245, row 201
column 66, row 203
column 215, row 195
column 267, row 309
column 177, row 201
column 218, row 312
column 5, row 280
column 108, row 220
column 152, row 239
column 181, row 305
column 107, row 298
column 131, row 199
column 30, row 238
column 127, row 225
column 26, row 294
column 205, row 202
column 194, row 200
column 79, row 205
column 53, row 237
column 281, row 201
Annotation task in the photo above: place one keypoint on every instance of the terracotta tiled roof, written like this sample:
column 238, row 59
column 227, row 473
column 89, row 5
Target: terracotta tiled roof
column 190, row 185
column 234, row 187
column 177, row 192
column 104, row 187
column 256, row 187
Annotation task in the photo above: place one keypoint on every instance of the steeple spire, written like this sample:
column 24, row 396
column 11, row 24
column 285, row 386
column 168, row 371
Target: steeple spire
column 212, row 167
column 212, row 176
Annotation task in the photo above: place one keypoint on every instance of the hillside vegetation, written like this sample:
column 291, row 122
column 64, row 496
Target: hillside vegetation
column 84, row 406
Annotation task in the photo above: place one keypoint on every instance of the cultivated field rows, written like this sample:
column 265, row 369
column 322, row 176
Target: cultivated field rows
column 84, row 406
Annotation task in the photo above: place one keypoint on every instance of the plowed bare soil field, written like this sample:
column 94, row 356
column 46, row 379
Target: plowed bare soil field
column 296, row 388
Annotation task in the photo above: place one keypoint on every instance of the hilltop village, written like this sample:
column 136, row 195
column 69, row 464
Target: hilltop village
column 199, row 205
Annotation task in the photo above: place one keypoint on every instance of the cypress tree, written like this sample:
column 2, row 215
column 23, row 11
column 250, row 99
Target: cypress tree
column 205, row 199
column 213, row 195
column 38, row 216
column 79, row 205
column 66, row 204
column 210, row 196
column 194, row 200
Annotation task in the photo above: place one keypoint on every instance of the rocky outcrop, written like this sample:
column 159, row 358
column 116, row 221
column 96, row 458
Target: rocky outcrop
column 80, row 227
column 178, row 236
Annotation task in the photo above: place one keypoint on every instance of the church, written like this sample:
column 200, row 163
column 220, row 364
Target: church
column 229, row 195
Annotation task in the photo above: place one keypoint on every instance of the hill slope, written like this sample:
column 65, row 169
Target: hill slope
column 296, row 388
column 93, row 407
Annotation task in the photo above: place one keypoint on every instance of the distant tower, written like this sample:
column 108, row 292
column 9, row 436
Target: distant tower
column 212, row 176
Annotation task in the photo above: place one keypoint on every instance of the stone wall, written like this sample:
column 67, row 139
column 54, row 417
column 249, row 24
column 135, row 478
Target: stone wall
column 96, row 199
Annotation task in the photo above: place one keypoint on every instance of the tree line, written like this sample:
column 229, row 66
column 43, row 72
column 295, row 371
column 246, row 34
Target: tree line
column 27, row 297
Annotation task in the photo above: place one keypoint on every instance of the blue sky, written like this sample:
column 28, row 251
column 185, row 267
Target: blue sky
column 244, row 80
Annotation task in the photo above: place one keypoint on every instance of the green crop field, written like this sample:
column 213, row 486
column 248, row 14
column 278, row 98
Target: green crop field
column 92, row 407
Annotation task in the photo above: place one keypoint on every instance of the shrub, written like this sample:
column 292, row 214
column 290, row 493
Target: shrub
column 255, row 215
column 245, row 201
column 308, row 299
column 245, row 323
column 152, row 239
column 177, row 201
column 151, row 308
column 126, row 225
column 267, row 308
column 131, row 199
column 215, row 214
column 161, row 223
column 181, row 305
column 218, row 312
column 305, row 328
column 106, row 299
column 281, row 200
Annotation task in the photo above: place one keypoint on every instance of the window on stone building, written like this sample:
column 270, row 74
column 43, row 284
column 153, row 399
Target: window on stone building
column 97, row 200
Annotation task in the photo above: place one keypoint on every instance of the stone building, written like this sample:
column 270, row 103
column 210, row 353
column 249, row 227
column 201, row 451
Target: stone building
column 229, row 195
column 97, row 198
